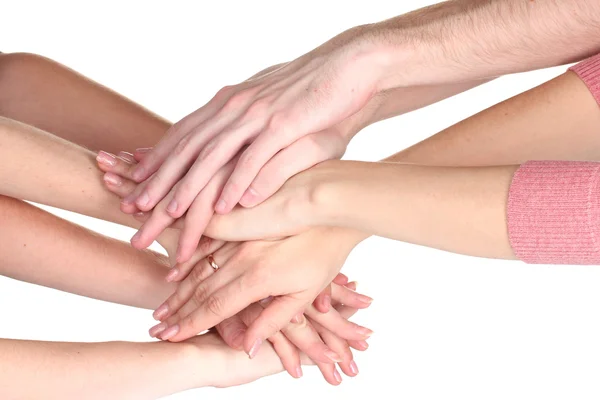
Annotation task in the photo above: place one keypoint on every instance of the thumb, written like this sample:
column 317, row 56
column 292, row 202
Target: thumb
column 232, row 331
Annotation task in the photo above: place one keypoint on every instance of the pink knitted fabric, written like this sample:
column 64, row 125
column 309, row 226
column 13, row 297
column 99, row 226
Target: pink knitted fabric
column 554, row 206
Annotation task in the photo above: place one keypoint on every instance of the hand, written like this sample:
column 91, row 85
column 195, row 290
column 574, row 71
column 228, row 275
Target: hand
column 229, row 367
column 296, row 269
column 271, row 112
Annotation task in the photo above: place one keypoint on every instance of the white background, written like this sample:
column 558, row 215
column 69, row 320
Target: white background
column 446, row 326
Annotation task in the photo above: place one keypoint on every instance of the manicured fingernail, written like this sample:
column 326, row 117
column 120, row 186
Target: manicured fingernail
column 139, row 214
column 221, row 205
column 143, row 200
column 138, row 173
column 363, row 344
column 143, row 149
column 352, row 285
column 353, row 367
column 127, row 156
column 332, row 355
column 298, row 372
column 254, row 348
column 298, row 318
column 170, row 332
column 365, row 299
column 160, row 312
column 337, row 376
column 172, row 207
column 364, row 331
column 172, row 274
column 157, row 329
column 113, row 179
column 106, row 158
column 249, row 197
column 266, row 301
column 136, row 237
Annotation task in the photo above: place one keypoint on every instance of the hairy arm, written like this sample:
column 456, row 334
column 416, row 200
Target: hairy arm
column 462, row 40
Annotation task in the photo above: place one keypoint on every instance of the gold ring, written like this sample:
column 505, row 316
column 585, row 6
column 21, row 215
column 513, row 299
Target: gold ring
column 211, row 260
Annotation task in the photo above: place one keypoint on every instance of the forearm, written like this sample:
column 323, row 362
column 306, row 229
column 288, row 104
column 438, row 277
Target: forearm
column 115, row 370
column 463, row 40
column 41, row 248
column 45, row 169
column 462, row 210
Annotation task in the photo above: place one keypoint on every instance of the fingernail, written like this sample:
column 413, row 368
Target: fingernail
column 365, row 299
column 298, row 318
column 364, row 331
column 139, row 214
column 113, row 179
column 238, row 340
column 332, row 355
column 172, row 274
column 106, row 159
column 353, row 367
column 249, row 197
column 266, row 301
column 363, row 344
column 169, row 333
column 125, row 155
column 337, row 376
column 157, row 329
column 220, row 207
column 160, row 312
column 143, row 149
column 143, row 200
column 136, row 237
column 172, row 207
column 352, row 285
column 254, row 348
column 138, row 173
column 298, row 372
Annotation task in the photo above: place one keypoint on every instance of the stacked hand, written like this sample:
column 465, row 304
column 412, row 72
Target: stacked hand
column 325, row 336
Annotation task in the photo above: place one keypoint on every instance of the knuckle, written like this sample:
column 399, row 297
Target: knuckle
column 208, row 149
column 224, row 92
column 259, row 108
column 236, row 101
column 277, row 123
column 185, row 190
column 200, row 295
column 205, row 244
column 214, row 305
column 247, row 160
column 183, row 145
column 272, row 326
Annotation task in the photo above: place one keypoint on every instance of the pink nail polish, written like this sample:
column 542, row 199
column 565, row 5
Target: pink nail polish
column 157, row 329
column 298, row 318
column 363, row 344
column 140, row 214
column 254, row 348
column 113, row 179
column 170, row 332
column 172, row 207
column 143, row 149
column 221, row 205
column 353, row 367
column 172, row 275
column 136, row 237
column 364, row 331
column 337, row 376
column 160, row 312
column 332, row 355
column 365, row 299
column 106, row 159
column 298, row 372
column 143, row 200
column 249, row 197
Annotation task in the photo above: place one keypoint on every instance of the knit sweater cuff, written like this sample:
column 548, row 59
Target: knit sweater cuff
column 554, row 212
column 589, row 72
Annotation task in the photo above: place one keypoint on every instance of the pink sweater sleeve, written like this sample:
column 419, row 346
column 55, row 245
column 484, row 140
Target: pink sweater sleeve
column 554, row 206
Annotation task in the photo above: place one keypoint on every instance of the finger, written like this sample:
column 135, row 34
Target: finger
column 217, row 152
column 199, row 214
column 140, row 153
column 298, row 156
column 351, row 285
column 347, row 312
column 143, row 216
column 218, row 297
column 249, row 164
column 155, row 156
column 205, row 247
column 117, row 185
column 108, row 162
column 337, row 324
column 343, row 295
column 323, row 300
column 200, row 272
column 285, row 349
column 340, row 279
column 340, row 347
column 128, row 202
column 232, row 331
column 153, row 227
column 275, row 316
column 306, row 338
